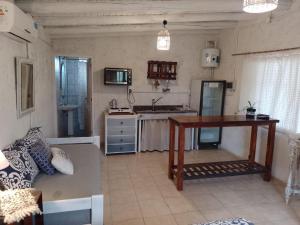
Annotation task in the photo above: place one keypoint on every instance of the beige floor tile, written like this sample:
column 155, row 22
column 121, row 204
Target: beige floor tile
column 143, row 182
column 195, row 187
column 123, row 212
column 168, row 191
column 138, row 191
column 160, row 220
column 229, row 198
column 148, row 193
column 189, row 218
column 219, row 214
column 120, row 184
column 130, row 222
column 249, row 212
column 205, row 201
column 275, row 212
column 115, row 174
column 162, row 180
column 151, row 208
column 179, row 205
column 107, row 214
column 122, row 196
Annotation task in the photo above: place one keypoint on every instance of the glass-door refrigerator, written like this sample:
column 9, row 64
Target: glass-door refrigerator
column 207, row 97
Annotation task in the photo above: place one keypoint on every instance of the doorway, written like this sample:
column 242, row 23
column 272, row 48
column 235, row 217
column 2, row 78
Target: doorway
column 73, row 96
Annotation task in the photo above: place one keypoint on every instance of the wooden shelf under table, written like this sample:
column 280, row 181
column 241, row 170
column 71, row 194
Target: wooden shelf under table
column 219, row 169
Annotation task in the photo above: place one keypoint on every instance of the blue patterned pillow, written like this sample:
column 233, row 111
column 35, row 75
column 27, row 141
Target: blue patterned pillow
column 40, row 154
column 235, row 221
column 33, row 135
column 22, row 169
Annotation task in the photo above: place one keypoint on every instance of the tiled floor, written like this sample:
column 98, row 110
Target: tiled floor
column 137, row 191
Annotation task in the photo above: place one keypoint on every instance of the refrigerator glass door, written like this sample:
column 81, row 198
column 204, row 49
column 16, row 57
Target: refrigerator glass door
column 212, row 105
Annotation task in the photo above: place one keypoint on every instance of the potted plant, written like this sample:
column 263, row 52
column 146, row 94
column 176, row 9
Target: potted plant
column 250, row 111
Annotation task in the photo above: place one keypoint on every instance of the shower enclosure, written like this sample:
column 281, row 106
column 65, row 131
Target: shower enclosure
column 73, row 92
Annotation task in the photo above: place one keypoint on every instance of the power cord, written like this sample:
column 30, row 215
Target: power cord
column 130, row 96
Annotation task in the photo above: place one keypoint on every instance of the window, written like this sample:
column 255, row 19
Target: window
column 273, row 83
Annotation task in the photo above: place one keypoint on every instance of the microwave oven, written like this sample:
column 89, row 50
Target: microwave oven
column 117, row 76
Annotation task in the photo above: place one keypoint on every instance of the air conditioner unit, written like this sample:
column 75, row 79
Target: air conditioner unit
column 14, row 21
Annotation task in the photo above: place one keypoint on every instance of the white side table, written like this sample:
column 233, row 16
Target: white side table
column 293, row 185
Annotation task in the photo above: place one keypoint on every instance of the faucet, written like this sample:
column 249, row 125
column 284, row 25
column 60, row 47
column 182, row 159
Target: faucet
column 154, row 101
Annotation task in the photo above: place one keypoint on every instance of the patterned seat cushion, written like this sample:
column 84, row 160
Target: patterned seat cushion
column 235, row 221
column 22, row 169
column 42, row 157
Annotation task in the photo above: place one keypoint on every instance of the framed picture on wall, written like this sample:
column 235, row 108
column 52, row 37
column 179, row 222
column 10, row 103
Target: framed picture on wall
column 25, row 86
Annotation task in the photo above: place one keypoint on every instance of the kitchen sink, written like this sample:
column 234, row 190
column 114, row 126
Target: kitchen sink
column 158, row 109
column 161, row 111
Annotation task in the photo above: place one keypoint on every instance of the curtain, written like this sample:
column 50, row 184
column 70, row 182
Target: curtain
column 155, row 136
column 273, row 83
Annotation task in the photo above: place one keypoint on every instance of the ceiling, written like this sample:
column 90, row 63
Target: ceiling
column 65, row 18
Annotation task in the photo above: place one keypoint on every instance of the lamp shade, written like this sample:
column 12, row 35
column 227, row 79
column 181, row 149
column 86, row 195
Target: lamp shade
column 259, row 6
column 163, row 40
column 3, row 161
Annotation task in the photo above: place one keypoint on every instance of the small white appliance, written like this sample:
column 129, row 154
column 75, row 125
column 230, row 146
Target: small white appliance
column 210, row 57
column 120, row 110
column 15, row 22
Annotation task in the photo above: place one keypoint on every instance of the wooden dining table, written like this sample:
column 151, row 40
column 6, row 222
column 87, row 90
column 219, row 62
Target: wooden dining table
column 184, row 171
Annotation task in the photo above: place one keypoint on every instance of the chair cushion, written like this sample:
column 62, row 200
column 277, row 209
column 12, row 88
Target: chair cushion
column 235, row 221
column 22, row 169
column 42, row 157
column 61, row 161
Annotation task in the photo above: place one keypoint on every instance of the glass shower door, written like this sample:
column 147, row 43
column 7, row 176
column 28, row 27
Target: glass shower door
column 212, row 104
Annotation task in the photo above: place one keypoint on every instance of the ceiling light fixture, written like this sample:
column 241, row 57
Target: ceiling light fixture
column 259, row 6
column 163, row 38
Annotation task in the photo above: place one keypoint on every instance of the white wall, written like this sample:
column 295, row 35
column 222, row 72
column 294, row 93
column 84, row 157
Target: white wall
column 283, row 32
column 12, row 128
column 134, row 52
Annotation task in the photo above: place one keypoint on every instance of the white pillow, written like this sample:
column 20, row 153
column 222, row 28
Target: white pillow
column 61, row 161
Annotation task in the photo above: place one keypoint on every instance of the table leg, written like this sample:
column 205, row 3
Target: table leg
column 270, row 149
column 252, row 150
column 171, row 149
column 39, row 218
column 28, row 220
column 181, row 146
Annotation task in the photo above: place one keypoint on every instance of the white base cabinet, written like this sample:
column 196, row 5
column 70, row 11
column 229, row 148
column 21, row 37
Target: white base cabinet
column 120, row 134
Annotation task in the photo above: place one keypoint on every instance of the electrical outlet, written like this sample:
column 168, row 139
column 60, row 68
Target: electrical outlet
column 230, row 88
column 129, row 89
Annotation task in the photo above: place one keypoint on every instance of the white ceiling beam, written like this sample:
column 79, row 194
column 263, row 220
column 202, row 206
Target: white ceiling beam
column 88, row 30
column 131, row 7
column 128, row 7
column 141, row 19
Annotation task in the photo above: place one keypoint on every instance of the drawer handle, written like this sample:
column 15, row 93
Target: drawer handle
column 121, row 122
column 121, row 140
column 121, row 131
column 121, row 148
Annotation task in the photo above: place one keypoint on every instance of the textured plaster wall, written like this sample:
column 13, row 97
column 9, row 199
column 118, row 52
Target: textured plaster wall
column 44, row 115
column 134, row 52
column 283, row 32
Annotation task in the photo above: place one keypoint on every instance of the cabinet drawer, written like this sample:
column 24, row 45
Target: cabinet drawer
column 120, row 139
column 121, row 131
column 120, row 122
column 120, row 148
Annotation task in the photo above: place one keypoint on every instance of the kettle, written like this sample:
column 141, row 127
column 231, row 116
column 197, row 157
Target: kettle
column 113, row 104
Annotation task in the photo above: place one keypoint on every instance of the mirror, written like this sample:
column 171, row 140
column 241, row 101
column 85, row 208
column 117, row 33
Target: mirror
column 25, row 86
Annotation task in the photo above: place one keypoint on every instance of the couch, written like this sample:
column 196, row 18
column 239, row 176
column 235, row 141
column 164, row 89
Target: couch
column 74, row 199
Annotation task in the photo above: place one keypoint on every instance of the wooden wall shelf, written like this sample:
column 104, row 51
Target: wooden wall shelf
column 161, row 70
